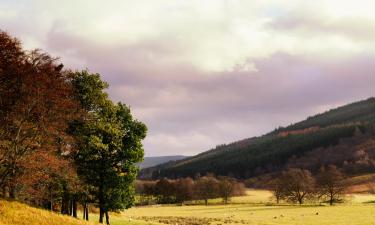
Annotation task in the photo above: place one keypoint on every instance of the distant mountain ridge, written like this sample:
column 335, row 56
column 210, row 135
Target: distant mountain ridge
column 156, row 160
column 273, row 151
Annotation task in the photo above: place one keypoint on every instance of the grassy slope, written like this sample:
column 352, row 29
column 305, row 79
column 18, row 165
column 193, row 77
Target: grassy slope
column 257, row 208
column 15, row 213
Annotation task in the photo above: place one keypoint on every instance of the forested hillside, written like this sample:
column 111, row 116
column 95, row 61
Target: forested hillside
column 282, row 147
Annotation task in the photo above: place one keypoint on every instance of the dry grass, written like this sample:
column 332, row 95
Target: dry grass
column 15, row 213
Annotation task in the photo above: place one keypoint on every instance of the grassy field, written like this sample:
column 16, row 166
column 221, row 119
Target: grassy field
column 256, row 208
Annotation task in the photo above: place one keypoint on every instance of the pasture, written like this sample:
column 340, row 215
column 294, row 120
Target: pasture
column 256, row 208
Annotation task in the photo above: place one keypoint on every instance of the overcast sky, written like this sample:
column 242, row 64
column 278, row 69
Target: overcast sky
column 201, row 73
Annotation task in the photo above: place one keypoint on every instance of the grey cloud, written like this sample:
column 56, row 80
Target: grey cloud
column 189, row 110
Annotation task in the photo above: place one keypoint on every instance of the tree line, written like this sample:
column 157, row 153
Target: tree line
column 165, row 191
column 298, row 185
column 63, row 142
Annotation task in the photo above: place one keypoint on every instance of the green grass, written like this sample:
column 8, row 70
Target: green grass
column 256, row 208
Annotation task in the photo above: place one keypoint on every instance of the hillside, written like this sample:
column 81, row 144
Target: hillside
column 282, row 147
column 14, row 213
column 156, row 160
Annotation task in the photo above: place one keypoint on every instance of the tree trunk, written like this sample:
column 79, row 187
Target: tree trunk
column 65, row 202
column 107, row 217
column 206, row 201
column 101, row 199
column 70, row 212
column 331, row 199
column 12, row 191
column 62, row 205
column 101, row 215
column 84, row 211
column 87, row 211
column 74, row 207
column 3, row 192
column 51, row 199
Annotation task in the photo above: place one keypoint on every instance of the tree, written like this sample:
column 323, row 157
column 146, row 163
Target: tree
column 165, row 191
column 184, row 189
column 330, row 184
column 108, row 143
column 206, row 188
column 43, row 178
column 226, row 188
column 297, row 185
column 146, row 190
column 277, row 187
column 36, row 105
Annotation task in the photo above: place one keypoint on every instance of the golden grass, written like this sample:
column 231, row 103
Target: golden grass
column 15, row 213
column 256, row 208
column 259, row 209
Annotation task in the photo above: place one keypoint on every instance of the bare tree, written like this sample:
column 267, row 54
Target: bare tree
column 330, row 184
column 206, row 187
column 226, row 187
column 277, row 187
column 297, row 185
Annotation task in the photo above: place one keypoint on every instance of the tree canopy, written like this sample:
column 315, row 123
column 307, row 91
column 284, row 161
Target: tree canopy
column 108, row 143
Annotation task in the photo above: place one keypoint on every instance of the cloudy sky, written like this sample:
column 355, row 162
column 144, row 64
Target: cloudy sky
column 202, row 73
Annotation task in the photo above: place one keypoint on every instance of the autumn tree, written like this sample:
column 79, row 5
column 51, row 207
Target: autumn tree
column 330, row 184
column 108, row 143
column 35, row 106
column 184, row 190
column 43, row 178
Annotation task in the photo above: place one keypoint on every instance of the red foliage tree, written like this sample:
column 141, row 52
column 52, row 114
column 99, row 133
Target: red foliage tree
column 35, row 106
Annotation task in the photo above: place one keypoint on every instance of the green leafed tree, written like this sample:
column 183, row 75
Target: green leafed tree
column 109, row 145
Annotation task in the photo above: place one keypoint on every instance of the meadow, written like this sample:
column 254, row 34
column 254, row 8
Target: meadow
column 256, row 208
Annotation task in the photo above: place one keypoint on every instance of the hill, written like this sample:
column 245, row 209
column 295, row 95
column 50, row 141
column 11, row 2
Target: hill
column 156, row 160
column 15, row 213
column 343, row 129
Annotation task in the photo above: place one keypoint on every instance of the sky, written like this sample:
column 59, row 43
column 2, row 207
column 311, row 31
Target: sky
column 203, row 73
